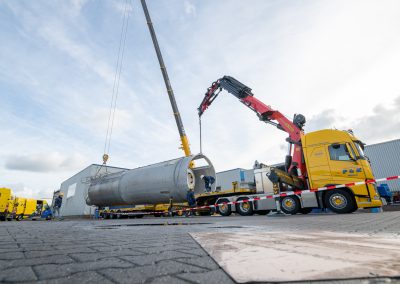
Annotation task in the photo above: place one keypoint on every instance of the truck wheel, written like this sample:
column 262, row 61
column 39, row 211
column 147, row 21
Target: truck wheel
column 224, row 209
column 339, row 201
column 244, row 208
column 290, row 205
column 305, row 210
column 262, row 212
column 2, row 218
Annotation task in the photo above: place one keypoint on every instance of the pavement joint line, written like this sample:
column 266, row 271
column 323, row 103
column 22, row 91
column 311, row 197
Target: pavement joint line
column 223, row 271
column 35, row 272
column 106, row 276
column 199, row 266
column 73, row 273
column 73, row 258
column 134, row 264
column 175, row 260
column 183, row 279
column 189, row 253
column 104, row 257
column 176, row 275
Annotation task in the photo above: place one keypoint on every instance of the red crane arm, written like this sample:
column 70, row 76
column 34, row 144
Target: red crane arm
column 263, row 111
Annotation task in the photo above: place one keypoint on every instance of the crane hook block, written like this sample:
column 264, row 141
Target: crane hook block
column 105, row 159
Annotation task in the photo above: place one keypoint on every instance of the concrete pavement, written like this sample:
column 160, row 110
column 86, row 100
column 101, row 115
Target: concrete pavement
column 151, row 250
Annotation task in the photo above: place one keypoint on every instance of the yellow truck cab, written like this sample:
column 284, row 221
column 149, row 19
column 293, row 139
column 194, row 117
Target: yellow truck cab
column 335, row 157
column 6, row 203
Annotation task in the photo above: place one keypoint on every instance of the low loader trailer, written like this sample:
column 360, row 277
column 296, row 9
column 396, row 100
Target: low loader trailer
column 138, row 211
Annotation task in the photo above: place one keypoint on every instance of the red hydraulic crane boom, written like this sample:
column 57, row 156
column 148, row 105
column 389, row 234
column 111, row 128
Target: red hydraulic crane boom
column 265, row 113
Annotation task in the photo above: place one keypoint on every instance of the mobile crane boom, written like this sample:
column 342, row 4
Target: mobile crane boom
column 178, row 120
column 264, row 112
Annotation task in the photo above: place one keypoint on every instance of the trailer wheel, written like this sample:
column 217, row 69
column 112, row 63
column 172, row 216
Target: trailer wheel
column 340, row 201
column 244, row 208
column 224, row 209
column 290, row 205
column 305, row 210
column 262, row 212
column 118, row 215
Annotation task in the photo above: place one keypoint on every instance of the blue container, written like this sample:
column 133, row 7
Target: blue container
column 384, row 190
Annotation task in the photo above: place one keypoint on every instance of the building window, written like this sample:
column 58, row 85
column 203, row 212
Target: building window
column 339, row 152
column 71, row 190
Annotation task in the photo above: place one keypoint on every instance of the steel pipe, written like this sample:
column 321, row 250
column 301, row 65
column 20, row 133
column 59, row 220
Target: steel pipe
column 153, row 184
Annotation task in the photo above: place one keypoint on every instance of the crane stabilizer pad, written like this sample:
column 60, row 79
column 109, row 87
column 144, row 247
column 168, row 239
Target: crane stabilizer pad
column 271, row 196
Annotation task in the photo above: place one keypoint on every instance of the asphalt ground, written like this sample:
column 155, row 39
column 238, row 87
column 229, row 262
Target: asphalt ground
column 153, row 250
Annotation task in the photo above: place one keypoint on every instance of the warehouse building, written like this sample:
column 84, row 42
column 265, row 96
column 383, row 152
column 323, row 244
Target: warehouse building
column 75, row 190
column 385, row 161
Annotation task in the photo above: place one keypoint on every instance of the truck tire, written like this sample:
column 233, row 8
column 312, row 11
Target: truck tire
column 224, row 210
column 262, row 212
column 340, row 201
column 245, row 208
column 290, row 205
column 305, row 210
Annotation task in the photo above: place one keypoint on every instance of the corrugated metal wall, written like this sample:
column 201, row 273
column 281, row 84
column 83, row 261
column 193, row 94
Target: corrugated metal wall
column 224, row 179
column 75, row 191
column 385, row 161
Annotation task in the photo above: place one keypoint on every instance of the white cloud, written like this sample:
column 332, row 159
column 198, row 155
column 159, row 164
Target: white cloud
column 77, row 6
column 122, row 6
column 21, row 190
column 379, row 124
column 190, row 8
column 45, row 162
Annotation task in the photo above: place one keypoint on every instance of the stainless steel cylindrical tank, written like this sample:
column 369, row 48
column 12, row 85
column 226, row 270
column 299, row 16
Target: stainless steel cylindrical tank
column 153, row 184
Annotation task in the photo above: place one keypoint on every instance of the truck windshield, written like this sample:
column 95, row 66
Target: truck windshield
column 360, row 148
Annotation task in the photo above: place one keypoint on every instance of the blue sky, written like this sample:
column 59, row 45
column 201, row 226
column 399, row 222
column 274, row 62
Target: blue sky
column 336, row 62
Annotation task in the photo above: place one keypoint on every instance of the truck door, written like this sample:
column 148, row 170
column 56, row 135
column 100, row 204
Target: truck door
column 344, row 166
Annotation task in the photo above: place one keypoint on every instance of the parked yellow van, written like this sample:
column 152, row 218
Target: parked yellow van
column 19, row 208
column 30, row 207
column 6, row 203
